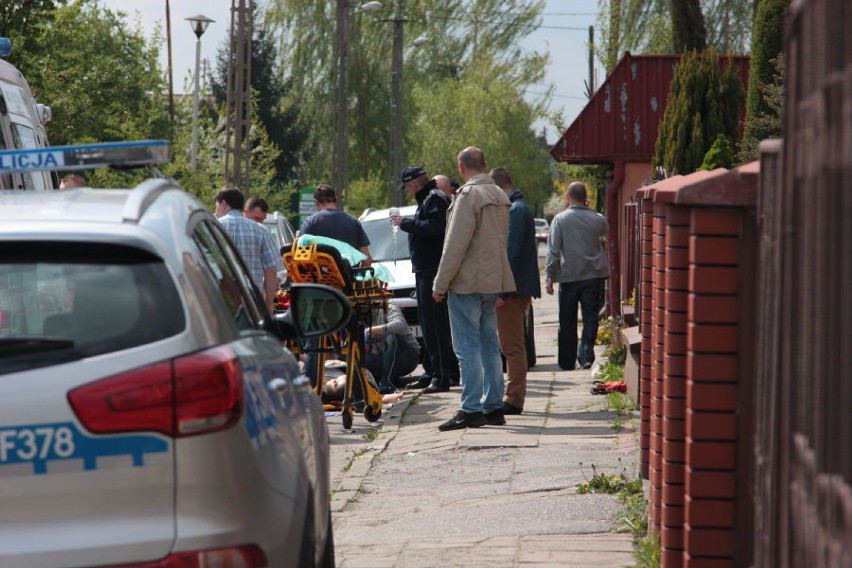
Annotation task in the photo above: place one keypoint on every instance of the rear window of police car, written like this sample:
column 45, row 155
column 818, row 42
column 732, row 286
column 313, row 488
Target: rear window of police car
column 65, row 301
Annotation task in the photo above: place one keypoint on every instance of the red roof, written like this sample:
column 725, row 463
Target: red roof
column 622, row 117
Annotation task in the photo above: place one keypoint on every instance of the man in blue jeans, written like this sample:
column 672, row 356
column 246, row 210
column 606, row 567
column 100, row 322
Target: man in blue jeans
column 576, row 259
column 473, row 272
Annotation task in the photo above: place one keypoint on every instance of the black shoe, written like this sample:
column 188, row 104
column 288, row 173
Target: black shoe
column 495, row 417
column 566, row 367
column 586, row 365
column 509, row 408
column 421, row 382
column 387, row 389
column 463, row 420
column 433, row 388
column 455, row 381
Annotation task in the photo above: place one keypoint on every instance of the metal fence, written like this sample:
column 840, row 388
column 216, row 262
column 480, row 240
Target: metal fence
column 802, row 460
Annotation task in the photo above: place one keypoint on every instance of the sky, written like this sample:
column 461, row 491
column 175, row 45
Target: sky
column 563, row 33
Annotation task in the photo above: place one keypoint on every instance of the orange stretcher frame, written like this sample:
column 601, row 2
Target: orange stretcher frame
column 322, row 264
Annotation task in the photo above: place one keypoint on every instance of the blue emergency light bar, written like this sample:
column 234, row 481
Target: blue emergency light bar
column 5, row 47
column 86, row 156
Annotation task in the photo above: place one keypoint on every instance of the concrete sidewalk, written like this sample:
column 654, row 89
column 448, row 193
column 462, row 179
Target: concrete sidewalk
column 406, row 495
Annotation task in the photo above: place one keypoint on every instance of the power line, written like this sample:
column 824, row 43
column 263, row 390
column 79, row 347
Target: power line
column 557, row 96
column 507, row 23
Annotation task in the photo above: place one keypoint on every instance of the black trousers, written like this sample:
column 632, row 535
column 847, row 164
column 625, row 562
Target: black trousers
column 435, row 324
column 588, row 294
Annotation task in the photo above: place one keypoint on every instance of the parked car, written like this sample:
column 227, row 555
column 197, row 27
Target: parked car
column 389, row 248
column 281, row 230
column 542, row 230
column 149, row 415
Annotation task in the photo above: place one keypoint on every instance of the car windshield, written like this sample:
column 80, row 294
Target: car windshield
column 61, row 302
column 384, row 243
column 273, row 230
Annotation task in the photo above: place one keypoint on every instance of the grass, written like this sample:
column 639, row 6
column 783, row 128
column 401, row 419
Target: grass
column 622, row 405
column 647, row 551
column 609, row 483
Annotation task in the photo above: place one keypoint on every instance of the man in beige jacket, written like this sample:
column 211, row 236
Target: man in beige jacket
column 474, row 271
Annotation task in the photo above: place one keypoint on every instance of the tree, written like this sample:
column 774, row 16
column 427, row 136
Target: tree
column 767, row 45
column 464, row 35
column 24, row 22
column 701, row 105
column 100, row 76
column 720, row 154
column 645, row 26
column 484, row 112
column 688, row 26
column 271, row 97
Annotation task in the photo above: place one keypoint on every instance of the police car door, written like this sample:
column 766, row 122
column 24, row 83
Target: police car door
column 275, row 421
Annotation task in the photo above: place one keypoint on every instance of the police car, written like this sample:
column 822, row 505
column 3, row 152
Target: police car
column 149, row 415
column 22, row 125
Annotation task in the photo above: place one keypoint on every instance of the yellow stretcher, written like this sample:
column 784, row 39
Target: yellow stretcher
column 321, row 263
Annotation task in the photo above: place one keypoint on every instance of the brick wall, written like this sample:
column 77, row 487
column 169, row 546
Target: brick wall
column 690, row 309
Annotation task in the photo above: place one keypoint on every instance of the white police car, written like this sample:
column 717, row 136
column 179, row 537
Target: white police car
column 149, row 416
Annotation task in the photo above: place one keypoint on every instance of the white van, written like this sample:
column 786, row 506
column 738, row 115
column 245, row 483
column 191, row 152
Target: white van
column 22, row 122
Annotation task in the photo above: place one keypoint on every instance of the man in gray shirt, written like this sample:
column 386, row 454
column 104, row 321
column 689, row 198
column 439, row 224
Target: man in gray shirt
column 576, row 260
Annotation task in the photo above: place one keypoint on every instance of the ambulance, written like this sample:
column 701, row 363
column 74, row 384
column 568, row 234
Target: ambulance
column 22, row 126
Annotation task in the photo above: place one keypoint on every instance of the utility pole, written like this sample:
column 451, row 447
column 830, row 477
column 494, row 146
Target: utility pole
column 396, row 113
column 238, row 109
column 340, row 147
column 171, row 81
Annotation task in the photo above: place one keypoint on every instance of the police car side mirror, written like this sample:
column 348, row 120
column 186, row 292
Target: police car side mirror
column 315, row 310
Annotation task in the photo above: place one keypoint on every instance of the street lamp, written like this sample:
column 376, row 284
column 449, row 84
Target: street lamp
column 199, row 25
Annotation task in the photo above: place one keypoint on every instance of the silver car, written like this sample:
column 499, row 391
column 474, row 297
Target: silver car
column 149, row 415
column 280, row 228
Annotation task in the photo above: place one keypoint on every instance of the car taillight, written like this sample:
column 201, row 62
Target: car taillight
column 246, row 556
column 190, row 395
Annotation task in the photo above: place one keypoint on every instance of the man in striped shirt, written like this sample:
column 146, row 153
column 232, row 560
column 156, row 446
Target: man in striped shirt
column 252, row 240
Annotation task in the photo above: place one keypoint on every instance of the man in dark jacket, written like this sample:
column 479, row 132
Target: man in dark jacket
column 425, row 243
column 512, row 308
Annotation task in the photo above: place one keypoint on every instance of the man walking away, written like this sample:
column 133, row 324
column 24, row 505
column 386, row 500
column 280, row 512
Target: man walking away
column 474, row 270
column 576, row 259
column 512, row 308
column 425, row 243
column 252, row 240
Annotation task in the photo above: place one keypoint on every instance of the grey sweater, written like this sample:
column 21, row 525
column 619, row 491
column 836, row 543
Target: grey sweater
column 574, row 248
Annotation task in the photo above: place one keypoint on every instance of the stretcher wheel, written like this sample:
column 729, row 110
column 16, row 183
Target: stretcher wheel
column 347, row 419
column 370, row 415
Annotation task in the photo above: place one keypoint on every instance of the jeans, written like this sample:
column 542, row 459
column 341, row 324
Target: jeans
column 473, row 319
column 435, row 323
column 588, row 294
column 396, row 360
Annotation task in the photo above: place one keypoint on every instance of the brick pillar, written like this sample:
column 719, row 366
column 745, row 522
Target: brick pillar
column 711, row 386
column 646, row 288
column 657, row 338
column 674, row 383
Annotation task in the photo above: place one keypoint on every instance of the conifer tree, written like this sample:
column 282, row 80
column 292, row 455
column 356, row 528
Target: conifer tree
column 701, row 105
column 767, row 45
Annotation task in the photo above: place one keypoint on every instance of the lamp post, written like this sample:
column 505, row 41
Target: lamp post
column 199, row 26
